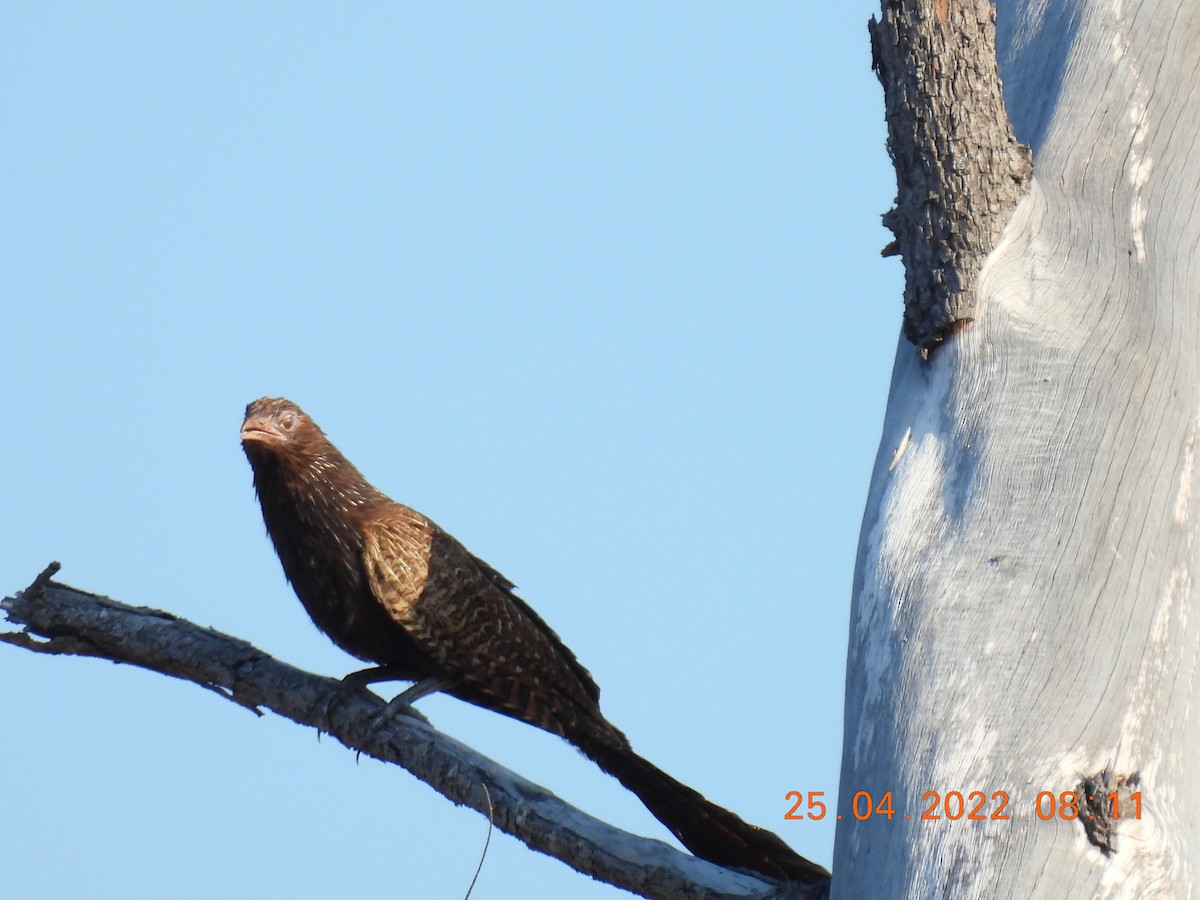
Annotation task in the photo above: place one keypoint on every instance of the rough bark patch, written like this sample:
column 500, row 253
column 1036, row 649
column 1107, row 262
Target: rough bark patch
column 960, row 171
column 1098, row 814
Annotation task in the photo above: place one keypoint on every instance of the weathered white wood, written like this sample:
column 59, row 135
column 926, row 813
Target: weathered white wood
column 1024, row 608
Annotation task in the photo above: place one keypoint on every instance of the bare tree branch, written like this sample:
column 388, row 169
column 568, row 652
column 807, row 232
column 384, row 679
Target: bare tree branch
column 59, row 619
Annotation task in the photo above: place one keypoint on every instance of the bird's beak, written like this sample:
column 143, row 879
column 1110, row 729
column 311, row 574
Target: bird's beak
column 259, row 430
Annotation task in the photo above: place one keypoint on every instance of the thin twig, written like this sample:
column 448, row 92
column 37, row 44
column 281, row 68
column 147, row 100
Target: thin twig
column 486, row 842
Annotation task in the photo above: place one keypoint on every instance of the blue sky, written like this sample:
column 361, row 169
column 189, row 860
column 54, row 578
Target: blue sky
column 596, row 288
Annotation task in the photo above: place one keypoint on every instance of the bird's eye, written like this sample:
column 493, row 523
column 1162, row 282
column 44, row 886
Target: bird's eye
column 287, row 421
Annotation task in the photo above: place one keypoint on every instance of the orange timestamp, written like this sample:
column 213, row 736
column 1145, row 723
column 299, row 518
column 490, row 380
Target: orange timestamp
column 972, row 806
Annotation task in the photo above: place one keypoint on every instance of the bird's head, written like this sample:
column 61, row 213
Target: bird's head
column 291, row 456
column 274, row 426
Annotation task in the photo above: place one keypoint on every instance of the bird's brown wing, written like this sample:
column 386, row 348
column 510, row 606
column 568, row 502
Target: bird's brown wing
column 463, row 614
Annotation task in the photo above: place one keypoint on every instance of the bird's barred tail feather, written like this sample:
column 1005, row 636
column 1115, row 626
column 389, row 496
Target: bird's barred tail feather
column 709, row 831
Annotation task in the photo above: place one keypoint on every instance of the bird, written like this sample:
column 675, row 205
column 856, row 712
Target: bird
column 390, row 587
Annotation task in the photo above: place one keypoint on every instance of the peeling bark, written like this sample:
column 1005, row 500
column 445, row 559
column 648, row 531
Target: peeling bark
column 1104, row 798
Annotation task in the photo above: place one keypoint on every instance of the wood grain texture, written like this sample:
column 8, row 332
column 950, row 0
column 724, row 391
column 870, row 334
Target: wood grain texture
column 1024, row 607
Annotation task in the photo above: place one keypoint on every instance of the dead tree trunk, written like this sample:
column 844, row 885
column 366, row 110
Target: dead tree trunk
column 1024, row 631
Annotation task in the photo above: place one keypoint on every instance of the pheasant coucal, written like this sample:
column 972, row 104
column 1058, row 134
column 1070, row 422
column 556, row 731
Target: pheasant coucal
column 390, row 587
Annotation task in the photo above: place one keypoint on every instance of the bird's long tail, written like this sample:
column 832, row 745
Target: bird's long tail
column 709, row 831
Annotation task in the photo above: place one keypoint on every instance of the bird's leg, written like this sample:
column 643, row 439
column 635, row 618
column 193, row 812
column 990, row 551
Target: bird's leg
column 361, row 679
column 373, row 675
column 429, row 685
column 402, row 702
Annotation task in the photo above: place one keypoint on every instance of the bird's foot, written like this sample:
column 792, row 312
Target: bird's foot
column 402, row 703
column 352, row 684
